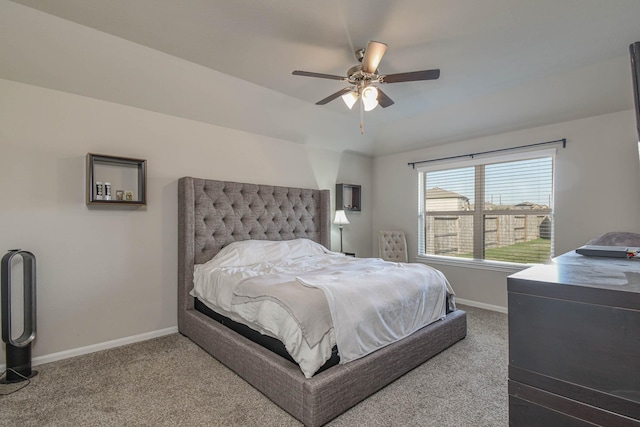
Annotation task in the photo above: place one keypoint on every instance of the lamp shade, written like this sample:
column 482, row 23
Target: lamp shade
column 350, row 98
column 341, row 218
column 370, row 98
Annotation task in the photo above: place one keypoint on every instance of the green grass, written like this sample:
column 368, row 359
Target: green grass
column 538, row 251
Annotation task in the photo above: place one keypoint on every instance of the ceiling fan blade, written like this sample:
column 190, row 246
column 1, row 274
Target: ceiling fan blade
column 383, row 100
column 320, row 75
column 372, row 56
column 411, row 76
column 334, row 96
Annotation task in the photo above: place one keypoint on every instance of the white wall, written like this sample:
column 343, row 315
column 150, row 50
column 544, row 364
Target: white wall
column 108, row 273
column 596, row 180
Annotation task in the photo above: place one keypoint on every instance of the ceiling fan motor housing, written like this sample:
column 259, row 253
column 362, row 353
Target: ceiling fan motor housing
column 356, row 75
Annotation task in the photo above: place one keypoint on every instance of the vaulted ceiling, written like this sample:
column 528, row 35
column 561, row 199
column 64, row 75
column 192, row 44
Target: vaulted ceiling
column 505, row 65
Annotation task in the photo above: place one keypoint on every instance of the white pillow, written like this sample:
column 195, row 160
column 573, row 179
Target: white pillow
column 248, row 252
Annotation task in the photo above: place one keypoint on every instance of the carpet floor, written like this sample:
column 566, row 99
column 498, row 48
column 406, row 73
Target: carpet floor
column 170, row 381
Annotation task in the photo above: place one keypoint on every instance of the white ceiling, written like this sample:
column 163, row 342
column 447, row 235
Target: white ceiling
column 505, row 64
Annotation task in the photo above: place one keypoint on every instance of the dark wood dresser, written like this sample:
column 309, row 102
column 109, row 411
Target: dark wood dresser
column 574, row 343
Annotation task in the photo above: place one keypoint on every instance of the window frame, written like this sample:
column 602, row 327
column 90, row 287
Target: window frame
column 479, row 214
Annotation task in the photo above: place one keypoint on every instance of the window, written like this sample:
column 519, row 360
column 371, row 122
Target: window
column 498, row 209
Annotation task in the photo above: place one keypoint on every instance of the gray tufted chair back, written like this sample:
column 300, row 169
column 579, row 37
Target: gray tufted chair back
column 392, row 246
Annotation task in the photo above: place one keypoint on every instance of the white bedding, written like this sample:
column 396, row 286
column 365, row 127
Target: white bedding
column 394, row 299
column 374, row 303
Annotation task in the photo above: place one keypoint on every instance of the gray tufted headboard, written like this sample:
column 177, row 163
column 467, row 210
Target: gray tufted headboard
column 212, row 214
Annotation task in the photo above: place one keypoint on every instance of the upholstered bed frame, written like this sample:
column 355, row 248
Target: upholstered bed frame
column 212, row 214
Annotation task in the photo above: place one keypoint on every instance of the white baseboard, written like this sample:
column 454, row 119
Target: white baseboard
column 41, row 360
column 491, row 307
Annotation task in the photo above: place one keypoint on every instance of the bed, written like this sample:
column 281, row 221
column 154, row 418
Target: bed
column 213, row 214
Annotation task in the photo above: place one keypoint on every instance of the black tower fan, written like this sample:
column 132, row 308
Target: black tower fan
column 19, row 349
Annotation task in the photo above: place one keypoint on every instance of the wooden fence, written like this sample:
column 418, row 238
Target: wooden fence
column 453, row 234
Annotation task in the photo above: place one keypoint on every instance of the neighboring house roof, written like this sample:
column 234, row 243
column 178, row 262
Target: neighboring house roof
column 439, row 193
column 529, row 205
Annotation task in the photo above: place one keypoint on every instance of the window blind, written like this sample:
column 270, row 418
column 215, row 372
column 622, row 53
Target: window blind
column 492, row 209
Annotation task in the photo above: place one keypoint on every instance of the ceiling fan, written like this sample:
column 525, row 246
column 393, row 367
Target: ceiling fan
column 361, row 79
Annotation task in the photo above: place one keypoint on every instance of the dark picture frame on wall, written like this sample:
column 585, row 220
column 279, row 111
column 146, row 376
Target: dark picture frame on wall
column 116, row 181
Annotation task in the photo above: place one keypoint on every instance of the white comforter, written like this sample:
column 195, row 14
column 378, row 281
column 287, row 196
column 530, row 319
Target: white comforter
column 372, row 303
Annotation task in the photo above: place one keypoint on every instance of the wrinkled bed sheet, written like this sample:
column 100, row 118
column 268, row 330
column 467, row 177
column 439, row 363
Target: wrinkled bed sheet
column 312, row 299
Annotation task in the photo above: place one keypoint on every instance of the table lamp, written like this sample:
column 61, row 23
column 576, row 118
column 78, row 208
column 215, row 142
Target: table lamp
column 341, row 220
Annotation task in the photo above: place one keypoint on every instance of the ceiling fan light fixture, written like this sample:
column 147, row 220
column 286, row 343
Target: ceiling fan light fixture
column 368, row 106
column 350, row 99
column 370, row 98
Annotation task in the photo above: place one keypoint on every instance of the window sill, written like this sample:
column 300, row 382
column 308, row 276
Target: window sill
column 479, row 264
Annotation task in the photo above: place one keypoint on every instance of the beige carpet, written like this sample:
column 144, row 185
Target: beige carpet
column 170, row 381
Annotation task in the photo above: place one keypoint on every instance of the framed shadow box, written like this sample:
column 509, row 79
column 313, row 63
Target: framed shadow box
column 116, row 181
column 348, row 197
